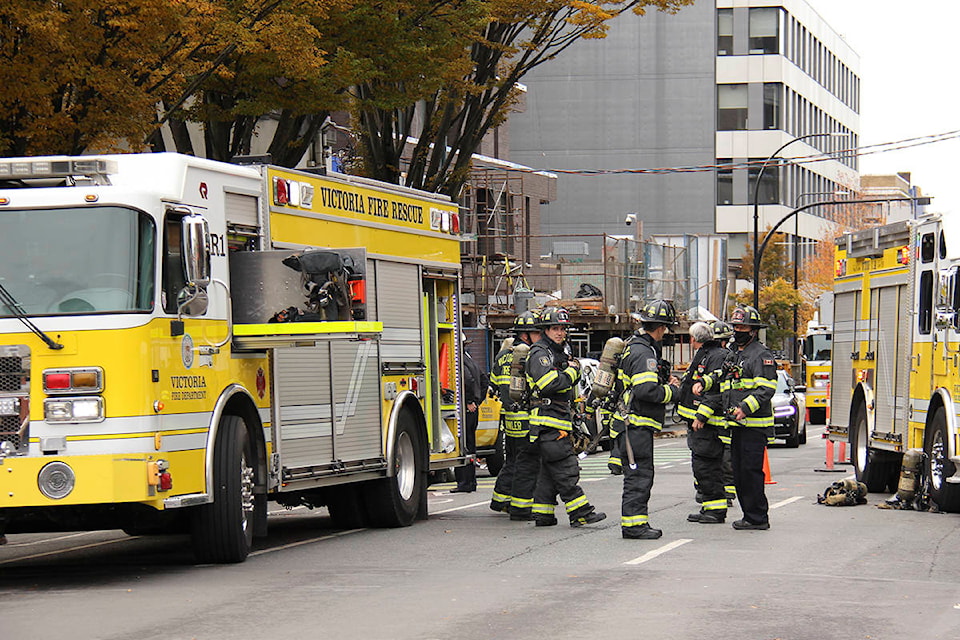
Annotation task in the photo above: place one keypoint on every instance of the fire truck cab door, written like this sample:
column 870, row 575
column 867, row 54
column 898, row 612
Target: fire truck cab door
column 927, row 338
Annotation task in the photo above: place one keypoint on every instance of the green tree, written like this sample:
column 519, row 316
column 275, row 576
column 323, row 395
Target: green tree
column 273, row 63
column 82, row 74
column 775, row 262
column 777, row 294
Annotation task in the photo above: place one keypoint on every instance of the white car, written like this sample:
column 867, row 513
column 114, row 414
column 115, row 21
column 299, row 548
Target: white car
column 789, row 411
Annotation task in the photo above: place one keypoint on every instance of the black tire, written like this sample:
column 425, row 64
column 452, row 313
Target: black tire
column 803, row 433
column 818, row 415
column 938, row 465
column 395, row 501
column 496, row 461
column 793, row 440
column 870, row 467
column 222, row 531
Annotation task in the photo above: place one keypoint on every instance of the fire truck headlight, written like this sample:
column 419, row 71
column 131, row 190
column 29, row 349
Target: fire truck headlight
column 56, row 480
column 9, row 406
column 73, row 409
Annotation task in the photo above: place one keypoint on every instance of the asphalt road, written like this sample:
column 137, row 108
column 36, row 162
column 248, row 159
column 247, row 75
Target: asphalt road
column 467, row 572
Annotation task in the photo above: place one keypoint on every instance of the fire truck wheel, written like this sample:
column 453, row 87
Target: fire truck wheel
column 394, row 502
column 496, row 460
column 871, row 468
column 939, row 467
column 222, row 531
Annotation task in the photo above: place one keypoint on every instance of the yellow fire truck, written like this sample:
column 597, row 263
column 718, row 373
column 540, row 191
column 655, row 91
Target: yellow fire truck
column 815, row 352
column 182, row 340
column 896, row 352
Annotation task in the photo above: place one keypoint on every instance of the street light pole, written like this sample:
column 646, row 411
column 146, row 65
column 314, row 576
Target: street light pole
column 756, row 208
column 796, row 263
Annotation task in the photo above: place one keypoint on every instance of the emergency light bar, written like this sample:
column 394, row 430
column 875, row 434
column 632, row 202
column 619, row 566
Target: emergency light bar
column 56, row 167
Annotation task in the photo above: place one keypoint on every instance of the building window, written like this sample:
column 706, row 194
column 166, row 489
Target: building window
column 724, row 181
column 765, row 30
column 731, row 107
column 769, row 183
column 724, row 32
column 772, row 92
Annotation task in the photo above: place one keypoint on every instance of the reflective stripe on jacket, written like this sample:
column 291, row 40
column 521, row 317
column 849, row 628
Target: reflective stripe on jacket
column 552, row 380
column 648, row 394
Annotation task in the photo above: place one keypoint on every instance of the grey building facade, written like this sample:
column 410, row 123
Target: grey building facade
column 719, row 84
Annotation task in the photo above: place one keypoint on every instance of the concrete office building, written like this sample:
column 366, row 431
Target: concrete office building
column 719, row 84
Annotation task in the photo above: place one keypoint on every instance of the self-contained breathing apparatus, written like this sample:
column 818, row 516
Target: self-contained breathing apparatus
column 603, row 395
column 519, row 392
column 845, row 493
column 332, row 283
column 912, row 487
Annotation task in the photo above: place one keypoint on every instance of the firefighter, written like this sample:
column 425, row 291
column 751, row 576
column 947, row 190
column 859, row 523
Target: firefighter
column 705, row 418
column 474, row 389
column 552, row 377
column 752, row 378
column 513, row 492
column 648, row 388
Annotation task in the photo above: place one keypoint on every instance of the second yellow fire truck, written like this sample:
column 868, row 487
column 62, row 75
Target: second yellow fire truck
column 182, row 340
column 895, row 380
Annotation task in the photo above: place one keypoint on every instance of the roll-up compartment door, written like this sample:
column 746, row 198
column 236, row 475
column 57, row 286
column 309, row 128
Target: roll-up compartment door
column 398, row 307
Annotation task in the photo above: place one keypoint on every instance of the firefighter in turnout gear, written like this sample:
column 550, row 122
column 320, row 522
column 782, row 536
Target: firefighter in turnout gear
column 552, row 376
column 513, row 492
column 751, row 374
column 705, row 418
column 648, row 388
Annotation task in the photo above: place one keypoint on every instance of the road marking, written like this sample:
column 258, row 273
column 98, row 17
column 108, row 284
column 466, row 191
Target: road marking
column 461, row 508
column 48, row 540
column 303, row 542
column 650, row 555
column 61, row 551
column 784, row 503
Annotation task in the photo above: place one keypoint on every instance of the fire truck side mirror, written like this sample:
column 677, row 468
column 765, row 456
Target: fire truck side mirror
column 196, row 250
column 944, row 319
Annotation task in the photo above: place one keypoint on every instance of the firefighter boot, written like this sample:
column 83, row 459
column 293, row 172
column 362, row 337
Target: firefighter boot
column 708, row 517
column 523, row 515
column 590, row 518
column 544, row 521
column 643, row 532
column 501, row 507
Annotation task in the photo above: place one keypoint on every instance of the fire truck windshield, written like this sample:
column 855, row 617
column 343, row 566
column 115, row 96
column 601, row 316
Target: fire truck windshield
column 73, row 261
column 817, row 346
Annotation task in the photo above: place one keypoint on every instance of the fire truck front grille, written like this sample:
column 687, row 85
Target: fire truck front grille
column 10, row 431
column 11, row 373
column 15, row 396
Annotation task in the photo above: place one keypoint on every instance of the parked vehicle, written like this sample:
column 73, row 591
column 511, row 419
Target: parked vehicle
column 789, row 411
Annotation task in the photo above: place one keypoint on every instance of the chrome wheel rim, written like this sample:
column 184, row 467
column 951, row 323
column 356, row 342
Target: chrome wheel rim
column 246, row 492
column 405, row 465
column 937, row 460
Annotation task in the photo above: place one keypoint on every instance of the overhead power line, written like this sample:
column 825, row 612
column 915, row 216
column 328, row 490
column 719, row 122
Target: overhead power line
column 866, row 150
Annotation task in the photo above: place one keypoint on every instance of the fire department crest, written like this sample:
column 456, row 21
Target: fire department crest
column 186, row 350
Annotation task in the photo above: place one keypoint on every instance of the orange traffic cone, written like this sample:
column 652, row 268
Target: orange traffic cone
column 766, row 469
